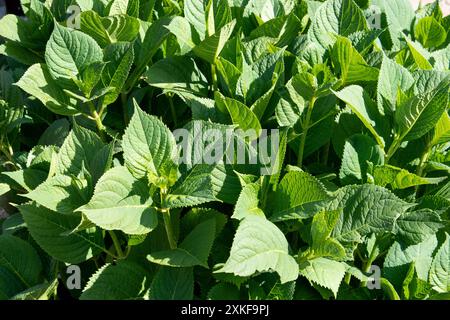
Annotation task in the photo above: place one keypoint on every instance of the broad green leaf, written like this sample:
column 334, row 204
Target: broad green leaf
column 177, row 74
column 365, row 109
column 195, row 13
column 240, row 114
column 224, row 291
column 324, row 272
column 399, row 256
column 350, row 64
column 38, row 83
column 193, row 250
column 107, row 30
column 248, row 202
column 121, row 202
column 120, row 57
column 47, row 229
column 63, row 194
column 173, row 284
column 366, row 208
column 298, row 196
column 399, row 178
column 392, row 77
column 399, row 16
column 259, row 246
column 420, row 55
column 79, row 150
column 429, row 32
column 20, row 260
column 417, row 226
column 420, row 115
column 125, row 280
column 257, row 78
column 441, row 132
column 336, row 17
column 148, row 145
column 43, row 291
column 27, row 179
column 440, row 268
column 69, row 52
column 210, row 48
column 196, row 187
column 358, row 151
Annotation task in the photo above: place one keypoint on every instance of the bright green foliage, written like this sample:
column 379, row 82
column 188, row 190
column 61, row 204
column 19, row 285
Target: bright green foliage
column 225, row 149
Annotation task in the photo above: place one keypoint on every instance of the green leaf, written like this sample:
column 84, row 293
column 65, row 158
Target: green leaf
column 429, row 32
column 240, row 114
column 399, row 178
column 125, row 280
column 195, row 13
column 149, row 146
column 61, row 193
column 27, row 179
column 350, row 64
column 21, row 260
column 210, row 48
column 365, row 109
column 224, row 291
column 298, row 196
column 248, row 202
column 121, row 202
column 194, row 188
column 173, row 284
column 440, row 267
column 120, row 57
column 366, row 208
column 418, row 225
column 420, row 55
column 193, row 251
column 399, row 16
column 336, row 17
column 399, row 256
column 324, row 272
column 177, row 74
column 416, row 118
column 47, row 229
column 109, row 30
column 259, row 246
column 38, row 83
column 392, row 78
column 69, row 52
column 358, row 151
column 80, row 149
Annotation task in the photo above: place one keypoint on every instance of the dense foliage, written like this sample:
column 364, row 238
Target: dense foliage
column 350, row 96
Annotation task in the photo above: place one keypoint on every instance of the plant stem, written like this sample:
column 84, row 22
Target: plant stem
column 97, row 119
column 167, row 220
column 116, row 244
column 367, row 264
column 305, row 132
column 389, row 289
column 173, row 111
column 214, row 76
column 123, row 99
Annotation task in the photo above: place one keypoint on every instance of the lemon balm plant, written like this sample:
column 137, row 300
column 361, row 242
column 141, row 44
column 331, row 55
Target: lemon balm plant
column 225, row 149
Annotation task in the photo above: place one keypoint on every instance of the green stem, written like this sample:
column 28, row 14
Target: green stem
column 97, row 119
column 389, row 289
column 392, row 149
column 305, row 132
column 422, row 162
column 116, row 244
column 167, row 220
column 214, row 77
column 367, row 264
column 123, row 98
column 173, row 111
column 348, row 277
